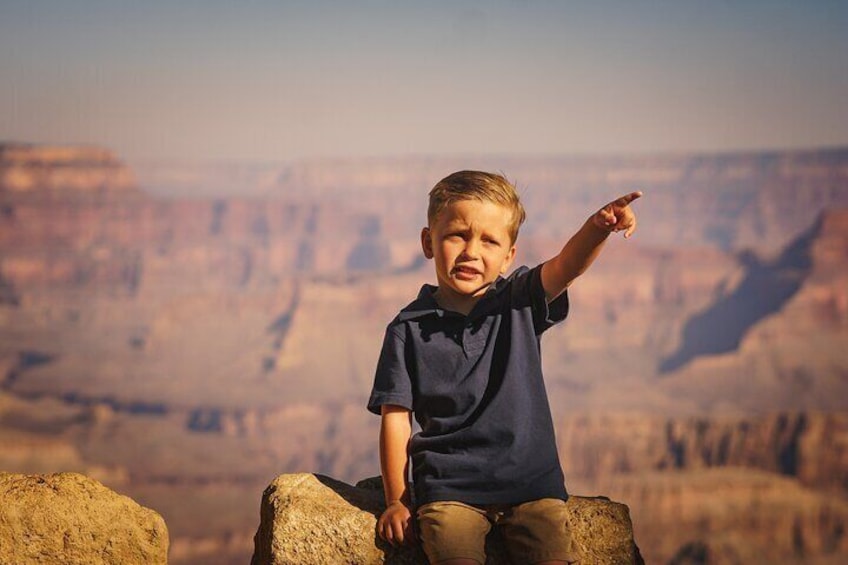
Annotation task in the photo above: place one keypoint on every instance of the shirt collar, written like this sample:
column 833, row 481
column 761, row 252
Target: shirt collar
column 425, row 304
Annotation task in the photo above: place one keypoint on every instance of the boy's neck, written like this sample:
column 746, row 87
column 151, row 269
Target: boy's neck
column 453, row 302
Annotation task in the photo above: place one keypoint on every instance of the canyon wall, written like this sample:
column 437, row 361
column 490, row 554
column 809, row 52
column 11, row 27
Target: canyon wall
column 186, row 350
column 62, row 169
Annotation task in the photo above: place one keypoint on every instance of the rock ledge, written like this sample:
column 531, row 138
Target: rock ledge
column 308, row 518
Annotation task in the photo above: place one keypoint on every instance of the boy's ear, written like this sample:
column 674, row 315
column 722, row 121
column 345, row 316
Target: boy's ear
column 510, row 257
column 426, row 243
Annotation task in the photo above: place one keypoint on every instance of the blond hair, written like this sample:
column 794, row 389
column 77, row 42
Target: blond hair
column 477, row 185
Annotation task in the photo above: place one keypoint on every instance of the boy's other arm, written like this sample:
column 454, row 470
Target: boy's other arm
column 395, row 524
column 584, row 246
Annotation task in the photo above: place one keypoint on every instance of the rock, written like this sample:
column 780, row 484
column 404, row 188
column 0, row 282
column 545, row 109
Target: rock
column 70, row 519
column 308, row 519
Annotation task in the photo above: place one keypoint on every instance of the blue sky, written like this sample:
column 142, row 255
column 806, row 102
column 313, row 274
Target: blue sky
column 275, row 81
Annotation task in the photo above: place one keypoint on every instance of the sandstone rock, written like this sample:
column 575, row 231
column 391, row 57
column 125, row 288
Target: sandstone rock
column 308, row 519
column 70, row 519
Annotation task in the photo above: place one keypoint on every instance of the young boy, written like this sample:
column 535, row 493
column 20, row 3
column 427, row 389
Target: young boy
column 464, row 357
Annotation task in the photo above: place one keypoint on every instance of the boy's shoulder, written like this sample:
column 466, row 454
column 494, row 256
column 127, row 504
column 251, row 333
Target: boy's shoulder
column 424, row 304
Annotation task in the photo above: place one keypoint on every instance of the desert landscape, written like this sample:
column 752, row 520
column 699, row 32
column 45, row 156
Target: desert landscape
column 184, row 333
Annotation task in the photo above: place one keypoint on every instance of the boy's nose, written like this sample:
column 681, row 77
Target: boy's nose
column 472, row 249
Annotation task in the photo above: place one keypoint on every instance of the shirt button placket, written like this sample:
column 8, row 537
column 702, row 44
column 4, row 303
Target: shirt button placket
column 473, row 341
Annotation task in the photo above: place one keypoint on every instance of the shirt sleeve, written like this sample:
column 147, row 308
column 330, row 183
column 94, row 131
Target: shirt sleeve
column 392, row 383
column 528, row 289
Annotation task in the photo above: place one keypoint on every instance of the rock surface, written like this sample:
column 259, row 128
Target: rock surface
column 70, row 519
column 308, row 518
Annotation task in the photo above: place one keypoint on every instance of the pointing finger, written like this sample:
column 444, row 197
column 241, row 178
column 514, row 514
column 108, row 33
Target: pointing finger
column 628, row 198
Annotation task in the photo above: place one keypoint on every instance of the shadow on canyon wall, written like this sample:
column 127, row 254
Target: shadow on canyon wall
column 764, row 290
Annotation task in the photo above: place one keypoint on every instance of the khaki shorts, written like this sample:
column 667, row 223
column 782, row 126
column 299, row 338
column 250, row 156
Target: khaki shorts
column 532, row 532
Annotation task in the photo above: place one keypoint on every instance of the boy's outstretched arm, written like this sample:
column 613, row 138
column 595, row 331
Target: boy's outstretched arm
column 395, row 524
column 585, row 245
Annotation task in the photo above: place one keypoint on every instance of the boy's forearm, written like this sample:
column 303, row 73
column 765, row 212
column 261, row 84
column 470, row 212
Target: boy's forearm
column 395, row 431
column 574, row 258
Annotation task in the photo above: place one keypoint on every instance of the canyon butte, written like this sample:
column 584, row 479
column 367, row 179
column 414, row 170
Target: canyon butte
column 185, row 333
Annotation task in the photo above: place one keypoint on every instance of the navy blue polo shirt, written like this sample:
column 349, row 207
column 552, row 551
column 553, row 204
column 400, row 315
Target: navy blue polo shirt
column 474, row 384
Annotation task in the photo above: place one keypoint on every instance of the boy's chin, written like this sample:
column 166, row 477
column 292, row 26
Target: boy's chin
column 470, row 288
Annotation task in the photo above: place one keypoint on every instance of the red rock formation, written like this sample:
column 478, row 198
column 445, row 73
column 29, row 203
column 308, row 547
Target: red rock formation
column 191, row 349
column 798, row 445
column 734, row 515
column 39, row 168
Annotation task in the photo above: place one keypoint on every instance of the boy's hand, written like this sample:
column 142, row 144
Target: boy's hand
column 617, row 215
column 395, row 525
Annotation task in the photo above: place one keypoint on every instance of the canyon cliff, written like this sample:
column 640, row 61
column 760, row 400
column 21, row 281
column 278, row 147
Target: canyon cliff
column 62, row 169
column 187, row 350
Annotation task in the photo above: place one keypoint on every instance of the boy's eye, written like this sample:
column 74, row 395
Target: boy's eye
column 490, row 241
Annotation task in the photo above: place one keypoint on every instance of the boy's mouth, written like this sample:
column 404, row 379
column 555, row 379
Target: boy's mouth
column 463, row 272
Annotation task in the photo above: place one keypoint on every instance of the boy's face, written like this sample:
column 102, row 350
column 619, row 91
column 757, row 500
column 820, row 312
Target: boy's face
column 470, row 244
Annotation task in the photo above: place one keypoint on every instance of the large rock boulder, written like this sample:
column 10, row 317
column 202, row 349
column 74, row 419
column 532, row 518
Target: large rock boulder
column 70, row 519
column 309, row 519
